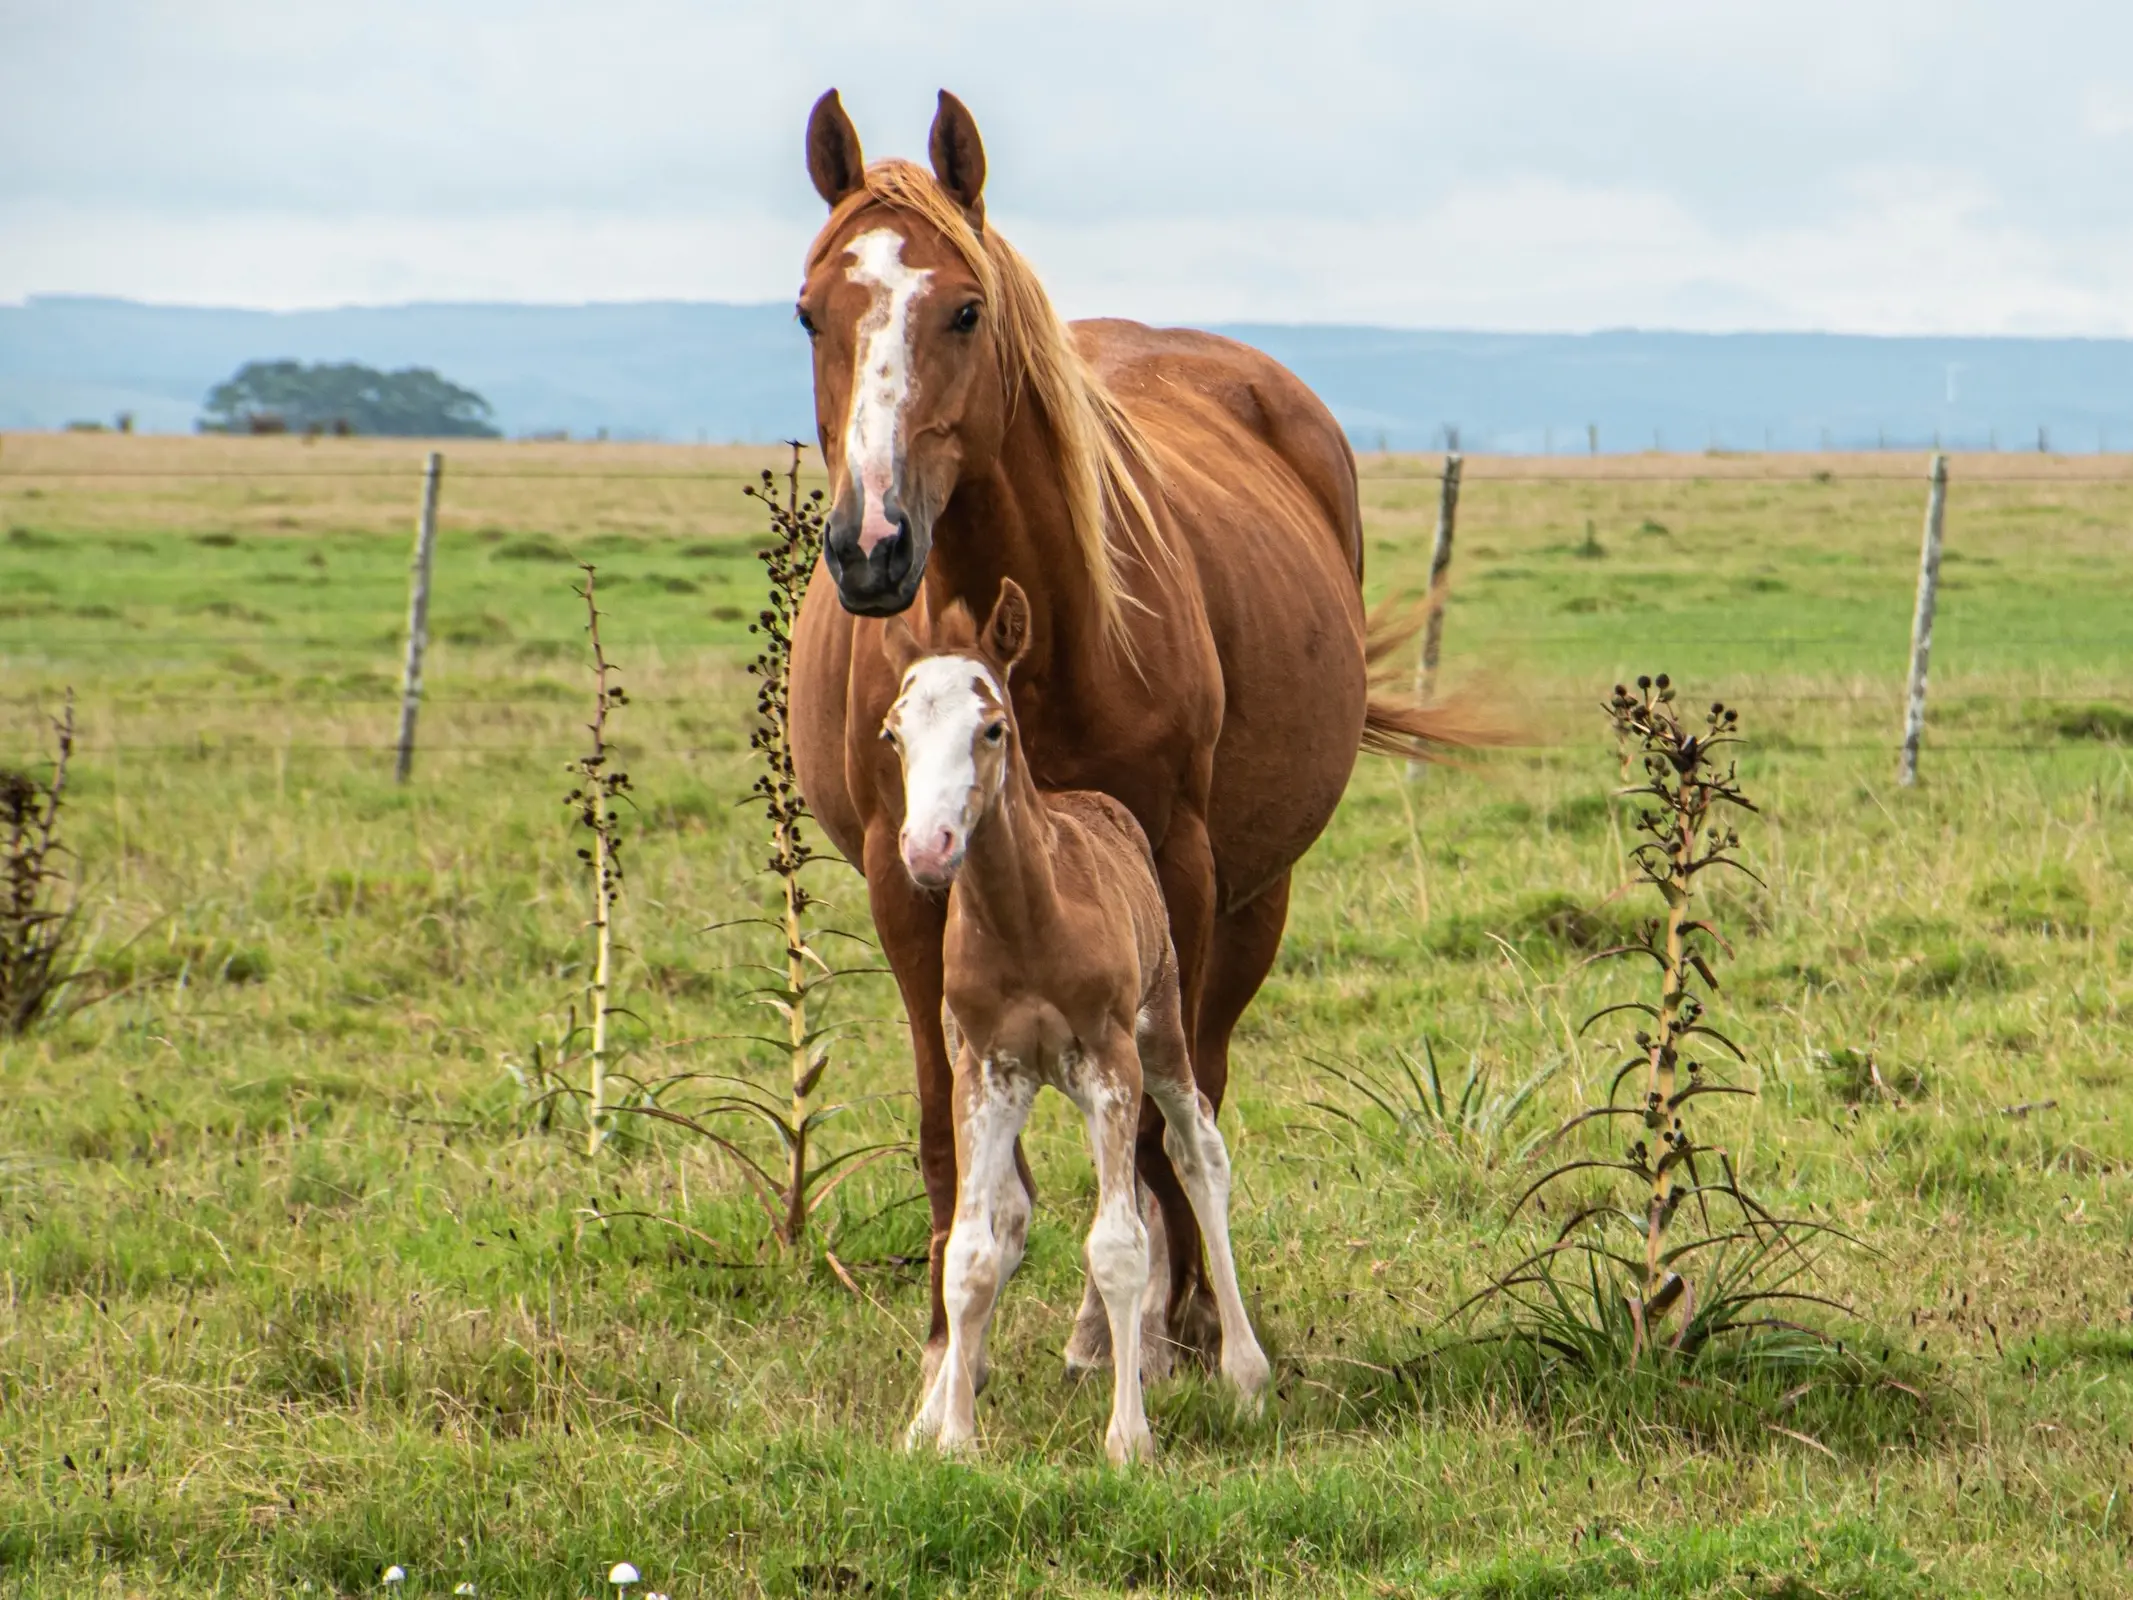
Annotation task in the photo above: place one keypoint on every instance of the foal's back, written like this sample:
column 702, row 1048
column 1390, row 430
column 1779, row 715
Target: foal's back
column 1107, row 962
column 1099, row 843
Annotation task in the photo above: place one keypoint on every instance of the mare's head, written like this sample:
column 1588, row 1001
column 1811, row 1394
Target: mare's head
column 953, row 726
column 930, row 335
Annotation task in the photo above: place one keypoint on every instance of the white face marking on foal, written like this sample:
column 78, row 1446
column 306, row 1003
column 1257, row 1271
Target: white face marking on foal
column 881, row 374
column 949, row 706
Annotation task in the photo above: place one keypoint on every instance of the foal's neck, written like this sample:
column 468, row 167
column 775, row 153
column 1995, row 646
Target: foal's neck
column 1006, row 884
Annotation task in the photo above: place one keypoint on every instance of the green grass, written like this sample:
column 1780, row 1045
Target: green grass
column 291, row 1288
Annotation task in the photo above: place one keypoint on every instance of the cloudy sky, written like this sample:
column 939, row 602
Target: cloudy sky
column 1869, row 165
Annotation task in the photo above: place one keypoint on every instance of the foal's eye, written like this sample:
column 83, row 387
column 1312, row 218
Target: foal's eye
column 807, row 323
column 888, row 736
column 995, row 733
column 966, row 320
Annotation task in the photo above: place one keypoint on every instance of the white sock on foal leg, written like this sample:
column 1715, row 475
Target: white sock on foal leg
column 992, row 1106
column 1118, row 1259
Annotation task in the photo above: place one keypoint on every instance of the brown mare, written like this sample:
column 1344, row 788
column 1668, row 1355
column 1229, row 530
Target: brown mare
column 1058, row 970
column 1182, row 515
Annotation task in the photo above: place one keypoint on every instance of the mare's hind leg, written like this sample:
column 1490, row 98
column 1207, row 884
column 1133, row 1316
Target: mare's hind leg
column 1088, row 1347
column 990, row 1109
column 1185, row 867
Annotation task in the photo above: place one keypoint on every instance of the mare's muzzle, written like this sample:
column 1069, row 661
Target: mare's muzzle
column 884, row 580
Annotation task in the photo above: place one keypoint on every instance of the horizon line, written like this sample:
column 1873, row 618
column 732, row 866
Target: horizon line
column 31, row 300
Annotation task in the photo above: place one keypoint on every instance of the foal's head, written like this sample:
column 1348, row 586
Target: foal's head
column 953, row 726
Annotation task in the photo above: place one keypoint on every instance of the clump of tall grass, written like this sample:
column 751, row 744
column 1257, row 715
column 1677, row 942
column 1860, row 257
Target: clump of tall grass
column 1414, row 1104
column 1696, row 1264
column 37, row 931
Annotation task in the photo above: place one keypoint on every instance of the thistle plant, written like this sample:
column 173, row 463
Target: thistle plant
column 594, row 801
column 1724, row 1278
column 36, row 934
column 1688, row 832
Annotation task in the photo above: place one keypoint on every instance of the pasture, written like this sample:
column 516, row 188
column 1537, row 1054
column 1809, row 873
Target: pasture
column 296, row 1286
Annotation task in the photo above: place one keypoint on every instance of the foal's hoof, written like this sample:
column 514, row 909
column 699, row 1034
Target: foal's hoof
column 1126, row 1449
column 924, row 1430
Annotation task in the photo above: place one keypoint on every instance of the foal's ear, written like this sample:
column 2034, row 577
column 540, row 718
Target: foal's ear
column 959, row 157
column 1007, row 629
column 833, row 158
column 900, row 646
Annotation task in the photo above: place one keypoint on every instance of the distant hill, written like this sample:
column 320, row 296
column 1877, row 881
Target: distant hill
column 684, row 371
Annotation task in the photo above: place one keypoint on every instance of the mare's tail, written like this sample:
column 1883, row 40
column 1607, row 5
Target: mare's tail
column 1398, row 724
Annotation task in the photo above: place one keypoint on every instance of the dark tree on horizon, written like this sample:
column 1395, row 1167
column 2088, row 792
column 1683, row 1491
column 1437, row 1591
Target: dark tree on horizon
column 414, row 403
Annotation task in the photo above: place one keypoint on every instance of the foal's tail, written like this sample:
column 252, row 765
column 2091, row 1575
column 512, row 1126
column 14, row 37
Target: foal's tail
column 1397, row 724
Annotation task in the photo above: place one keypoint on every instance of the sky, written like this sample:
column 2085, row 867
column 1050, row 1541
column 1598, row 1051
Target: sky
column 1872, row 166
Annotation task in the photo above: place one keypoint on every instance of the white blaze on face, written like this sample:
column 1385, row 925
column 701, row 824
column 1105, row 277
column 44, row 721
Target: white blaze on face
column 946, row 704
column 881, row 375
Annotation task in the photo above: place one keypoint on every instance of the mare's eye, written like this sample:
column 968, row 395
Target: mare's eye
column 995, row 733
column 807, row 323
column 966, row 320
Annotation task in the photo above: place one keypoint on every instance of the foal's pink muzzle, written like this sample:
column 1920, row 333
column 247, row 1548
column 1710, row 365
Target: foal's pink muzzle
column 932, row 861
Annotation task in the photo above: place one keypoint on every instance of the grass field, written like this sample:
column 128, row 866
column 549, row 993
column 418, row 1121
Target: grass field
column 294, row 1288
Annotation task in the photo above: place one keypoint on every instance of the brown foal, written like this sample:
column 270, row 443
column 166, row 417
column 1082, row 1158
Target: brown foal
column 1058, row 970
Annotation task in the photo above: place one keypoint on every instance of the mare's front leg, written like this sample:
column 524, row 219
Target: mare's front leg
column 992, row 1102
column 909, row 924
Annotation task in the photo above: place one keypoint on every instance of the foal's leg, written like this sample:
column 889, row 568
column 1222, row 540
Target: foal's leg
column 1195, row 1147
column 1108, row 1091
column 992, row 1101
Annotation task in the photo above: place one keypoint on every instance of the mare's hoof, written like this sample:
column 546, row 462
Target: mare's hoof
column 929, row 1368
column 1194, row 1334
column 1088, row 1347
column 1159, row 1357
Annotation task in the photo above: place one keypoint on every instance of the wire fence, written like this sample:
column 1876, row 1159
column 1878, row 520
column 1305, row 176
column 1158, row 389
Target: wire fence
column 127, row 649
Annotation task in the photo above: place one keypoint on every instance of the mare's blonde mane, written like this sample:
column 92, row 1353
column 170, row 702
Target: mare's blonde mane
column 1096, row 444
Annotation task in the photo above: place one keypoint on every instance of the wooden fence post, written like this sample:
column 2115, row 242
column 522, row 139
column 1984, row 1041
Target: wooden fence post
column 418, row 615
column 1914, row 717
column 1440, row 563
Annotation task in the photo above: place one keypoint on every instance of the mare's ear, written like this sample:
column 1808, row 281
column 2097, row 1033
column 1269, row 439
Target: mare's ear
column 959, row 157
column 900, row 646
column 833, row 158
column 1007, row 629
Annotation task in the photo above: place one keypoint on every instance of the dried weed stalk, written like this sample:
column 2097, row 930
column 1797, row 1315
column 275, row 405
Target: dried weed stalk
column 36, row 932
column 799, row 1180
column 593, row 801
